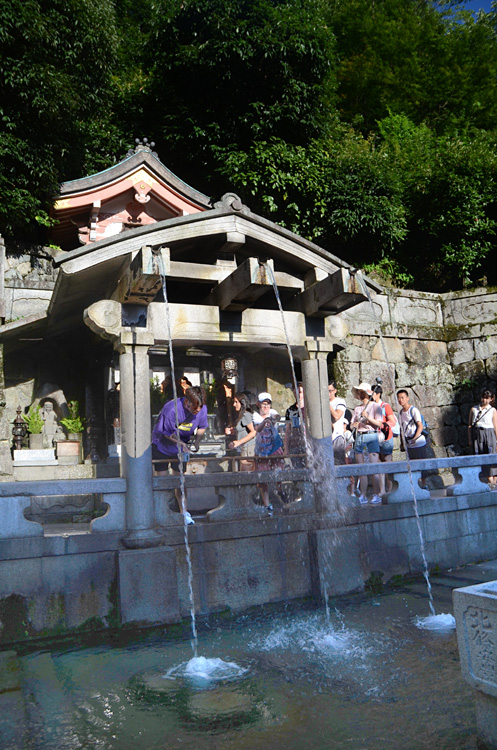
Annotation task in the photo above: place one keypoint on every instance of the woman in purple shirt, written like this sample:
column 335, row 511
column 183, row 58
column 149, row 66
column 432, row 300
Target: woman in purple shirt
column 191, row 420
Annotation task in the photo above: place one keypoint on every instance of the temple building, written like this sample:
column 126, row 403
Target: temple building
column 121, row 232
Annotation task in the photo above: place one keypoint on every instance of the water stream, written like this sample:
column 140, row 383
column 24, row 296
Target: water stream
column 391, row 384
column 181, row 465
column 198, row 668
column 312, row 463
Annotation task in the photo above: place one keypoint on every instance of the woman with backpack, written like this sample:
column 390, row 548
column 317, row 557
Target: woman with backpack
column 389, row 428
column 482, row 432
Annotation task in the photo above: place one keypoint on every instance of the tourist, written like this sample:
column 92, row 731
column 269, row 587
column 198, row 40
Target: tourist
column 294, row 443
column 482, row 432
column 190, row 422
column 257, row 415
column 366, row 421
column 386, row 442
column 413, row 441
column 182, row 386
column 244, row 430
column 337, row 411
column 166, row 388
column 268, row 447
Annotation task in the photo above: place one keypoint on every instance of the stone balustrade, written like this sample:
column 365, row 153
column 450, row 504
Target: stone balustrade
column 235, row 491
column 466, row 471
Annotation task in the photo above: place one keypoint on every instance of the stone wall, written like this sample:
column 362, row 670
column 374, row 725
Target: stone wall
column 29, row 279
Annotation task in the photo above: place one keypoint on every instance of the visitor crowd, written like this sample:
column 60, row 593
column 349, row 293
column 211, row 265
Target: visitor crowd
column 364, row 434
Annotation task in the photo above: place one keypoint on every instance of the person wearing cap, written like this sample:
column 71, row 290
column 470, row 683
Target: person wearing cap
column 256, row 416
column 268, row 447
column 367, row 419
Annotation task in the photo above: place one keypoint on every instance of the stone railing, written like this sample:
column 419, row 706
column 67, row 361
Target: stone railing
column 15, row 500
column 234, row 492
column 466, row 471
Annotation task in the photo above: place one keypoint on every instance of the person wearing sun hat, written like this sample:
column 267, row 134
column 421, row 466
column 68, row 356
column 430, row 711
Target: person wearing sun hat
column 366, row 421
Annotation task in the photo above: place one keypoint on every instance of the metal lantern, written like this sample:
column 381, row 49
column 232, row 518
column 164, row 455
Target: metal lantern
column 19, row 430
column 229, row 366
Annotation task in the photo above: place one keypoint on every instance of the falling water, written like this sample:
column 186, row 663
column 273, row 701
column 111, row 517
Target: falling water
column 409, row 469
column 287, row 340
column 194, row 641
column 310, row 457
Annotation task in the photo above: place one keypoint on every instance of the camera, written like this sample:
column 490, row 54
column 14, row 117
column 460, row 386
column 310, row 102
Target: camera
column 377, row 386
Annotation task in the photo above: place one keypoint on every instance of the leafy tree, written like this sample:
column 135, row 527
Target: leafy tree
column 228, row 72
column 332, row 192
column 54, row 73
column 429, row 60
column 416, row 208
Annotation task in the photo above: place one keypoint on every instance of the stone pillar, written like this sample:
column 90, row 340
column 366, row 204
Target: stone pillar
column 132, row 343
column 317, row 402
column 319, row 430
column 136, row 449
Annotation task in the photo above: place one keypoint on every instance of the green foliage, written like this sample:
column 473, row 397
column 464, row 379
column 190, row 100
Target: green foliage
column 233, row 71
column 54, row 73
column 370, row 128
column 34, row 420
column 157, row 397
column 409, row 57
column 73, row 423
column 374, row 585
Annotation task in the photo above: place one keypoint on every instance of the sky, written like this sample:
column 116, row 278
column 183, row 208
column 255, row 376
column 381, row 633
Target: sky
column 475, row 5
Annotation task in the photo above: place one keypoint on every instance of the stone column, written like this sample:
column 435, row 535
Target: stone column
column 319, row 429
column 132, row 343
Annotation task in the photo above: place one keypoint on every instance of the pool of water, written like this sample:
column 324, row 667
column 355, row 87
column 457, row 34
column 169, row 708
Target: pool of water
column 368, row 679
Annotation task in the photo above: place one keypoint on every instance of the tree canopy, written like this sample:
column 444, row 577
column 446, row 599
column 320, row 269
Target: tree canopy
column 369, row 126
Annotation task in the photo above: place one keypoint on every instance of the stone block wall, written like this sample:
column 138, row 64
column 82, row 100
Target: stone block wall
column 29, row 280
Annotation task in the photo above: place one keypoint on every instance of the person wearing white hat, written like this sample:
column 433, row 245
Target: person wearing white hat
column 366, row 421
column 261, row 398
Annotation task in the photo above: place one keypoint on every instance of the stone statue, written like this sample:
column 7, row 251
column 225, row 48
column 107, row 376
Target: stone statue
column 50, row 424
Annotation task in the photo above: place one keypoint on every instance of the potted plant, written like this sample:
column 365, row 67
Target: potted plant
column 69, row 451
column 73, row 423
column 34, row 422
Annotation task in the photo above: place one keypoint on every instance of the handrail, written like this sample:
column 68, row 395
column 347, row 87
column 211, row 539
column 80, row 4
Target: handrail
column 420, row 464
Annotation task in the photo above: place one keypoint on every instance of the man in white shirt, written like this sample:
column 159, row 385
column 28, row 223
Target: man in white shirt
column 411, row 427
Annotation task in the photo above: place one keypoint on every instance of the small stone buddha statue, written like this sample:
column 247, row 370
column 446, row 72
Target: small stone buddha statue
column 50, row 424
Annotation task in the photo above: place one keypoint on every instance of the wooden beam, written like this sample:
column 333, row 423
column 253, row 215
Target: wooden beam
column 241, row 288
column 329, row 296
column 142, row 279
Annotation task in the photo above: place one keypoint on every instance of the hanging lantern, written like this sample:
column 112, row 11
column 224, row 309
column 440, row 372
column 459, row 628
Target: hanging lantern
column 229, row 366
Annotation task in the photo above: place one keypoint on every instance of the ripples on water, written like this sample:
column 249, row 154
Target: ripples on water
column 369, row 679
